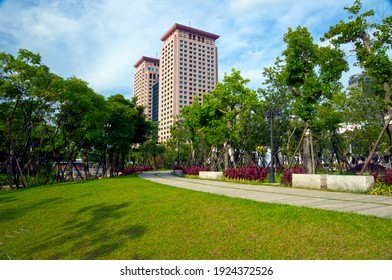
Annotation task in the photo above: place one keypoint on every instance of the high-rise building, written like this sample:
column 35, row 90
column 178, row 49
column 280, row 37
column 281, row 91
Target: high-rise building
column 146, row 75
column 155, row 101
column 188, row 68
column 363, row 82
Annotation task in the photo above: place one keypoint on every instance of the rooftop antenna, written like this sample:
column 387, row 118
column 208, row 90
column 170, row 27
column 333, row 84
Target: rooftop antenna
column 156, row 54
column 189, row 24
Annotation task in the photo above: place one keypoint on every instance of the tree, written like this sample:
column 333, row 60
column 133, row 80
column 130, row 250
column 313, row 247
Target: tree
column 276, row 100
column 312, row 73
column 125, row 126
column 149, row 152
column 26, row 95
column 80, row 120
column 372, row 44
column 224, row 119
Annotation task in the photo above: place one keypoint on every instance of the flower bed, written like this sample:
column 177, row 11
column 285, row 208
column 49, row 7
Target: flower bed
column 193, row 170
column 135, row 169
column 247, row 173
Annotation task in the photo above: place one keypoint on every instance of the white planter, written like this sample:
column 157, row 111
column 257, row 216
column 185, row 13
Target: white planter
column 310, row 181
column 334, row 182
column 210, row 174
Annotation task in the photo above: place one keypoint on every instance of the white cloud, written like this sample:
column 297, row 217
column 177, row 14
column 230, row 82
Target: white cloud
column 100, row 40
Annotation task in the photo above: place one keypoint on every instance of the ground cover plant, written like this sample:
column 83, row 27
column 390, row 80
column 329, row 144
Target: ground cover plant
column 194, row 170
column 131, row 218
column 383, row 183
column 246, row 173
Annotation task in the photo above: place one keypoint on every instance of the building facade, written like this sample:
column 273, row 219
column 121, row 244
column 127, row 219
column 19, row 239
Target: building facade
column 146, row 75
column 363, row 82
column 188, row 69
column 155, row 101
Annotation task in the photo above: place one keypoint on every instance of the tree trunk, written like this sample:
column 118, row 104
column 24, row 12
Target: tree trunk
column 104, row 164
column 387, row 99
column 214, row 157
column 85, row 165
column 70, row 163
column 111, row 163
column 307, row 158
column 226, row 154
column 10, row 174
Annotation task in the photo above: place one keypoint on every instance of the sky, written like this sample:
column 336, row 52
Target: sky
column 99, row 41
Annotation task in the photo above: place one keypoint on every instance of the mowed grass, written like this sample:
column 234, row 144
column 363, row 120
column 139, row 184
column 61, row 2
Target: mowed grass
column 131, row 218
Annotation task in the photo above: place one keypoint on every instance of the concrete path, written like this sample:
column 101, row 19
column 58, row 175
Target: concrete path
column 380, row 206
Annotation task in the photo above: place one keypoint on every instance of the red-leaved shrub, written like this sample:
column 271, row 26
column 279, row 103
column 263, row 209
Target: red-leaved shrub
column 247, row 173
column 287, row 176
column 193, row 170
column 386, row 178
column 135, row 169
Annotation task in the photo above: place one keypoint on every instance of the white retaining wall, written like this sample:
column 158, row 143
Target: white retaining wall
column 334, row 182
column 310, row 181
column 350, row 183
column 210, row 174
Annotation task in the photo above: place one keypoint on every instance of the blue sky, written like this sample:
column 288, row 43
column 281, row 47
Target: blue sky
column 100, row 40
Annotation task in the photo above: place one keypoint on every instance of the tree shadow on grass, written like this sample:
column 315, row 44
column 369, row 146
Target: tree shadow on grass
column 15, row 212
column 94, row 238
column 7, row 199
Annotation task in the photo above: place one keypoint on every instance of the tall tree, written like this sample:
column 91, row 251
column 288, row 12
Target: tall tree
column 230, row 104
column 26, row 93
column 77, row 118
column 276, row 98
column 372, row 42
column 312, row 73
column 126, row 125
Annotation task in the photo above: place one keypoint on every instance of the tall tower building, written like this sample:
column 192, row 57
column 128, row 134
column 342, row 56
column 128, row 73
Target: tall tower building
column 188, row 68
column 146, row 75
column 363, row 82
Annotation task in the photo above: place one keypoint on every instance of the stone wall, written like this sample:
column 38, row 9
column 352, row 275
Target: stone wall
column 334, row 182
column 310, row 181
column 210, row 175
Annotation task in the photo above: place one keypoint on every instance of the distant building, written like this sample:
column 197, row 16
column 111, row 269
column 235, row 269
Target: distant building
column 147, row 72
column 188, row 68
column 361, row 81
column 155, row 101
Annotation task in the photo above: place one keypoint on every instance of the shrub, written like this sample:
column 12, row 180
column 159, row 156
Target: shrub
column 383, row 183
column 287, row 176
column 135, row 169
column 387, row 177
column 247, row 173
column 381, row 189
column 193, row 170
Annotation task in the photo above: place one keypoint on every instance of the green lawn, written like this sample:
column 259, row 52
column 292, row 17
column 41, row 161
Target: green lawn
column 130, row 218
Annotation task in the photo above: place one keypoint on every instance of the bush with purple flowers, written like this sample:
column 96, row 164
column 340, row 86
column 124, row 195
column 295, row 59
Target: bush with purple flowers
column 253, row 173
column 287, row 176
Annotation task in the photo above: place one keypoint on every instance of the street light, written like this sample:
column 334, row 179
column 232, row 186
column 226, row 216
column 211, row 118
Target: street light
column 271, row 114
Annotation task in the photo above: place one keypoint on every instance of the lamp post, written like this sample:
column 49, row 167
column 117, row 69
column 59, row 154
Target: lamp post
column 271, row 114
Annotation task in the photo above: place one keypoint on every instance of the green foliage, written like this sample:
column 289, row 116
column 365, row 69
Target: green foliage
column 381, row 189
column 229, row 117
column 372, row 46
column 312, row 72
column 45, row 119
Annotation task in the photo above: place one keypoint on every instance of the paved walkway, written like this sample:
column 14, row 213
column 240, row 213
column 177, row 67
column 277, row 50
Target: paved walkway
column 380, row 206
